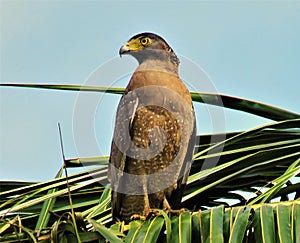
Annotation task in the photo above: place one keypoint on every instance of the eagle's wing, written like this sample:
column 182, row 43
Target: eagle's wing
column 120, row 144
column 176, row 195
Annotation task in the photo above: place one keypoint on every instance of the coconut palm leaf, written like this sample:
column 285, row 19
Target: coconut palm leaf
column 247, row 171
column 276, row 222
column 235, row 103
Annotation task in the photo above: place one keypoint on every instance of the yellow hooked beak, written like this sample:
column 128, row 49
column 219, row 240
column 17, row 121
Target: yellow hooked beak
column 133, row 45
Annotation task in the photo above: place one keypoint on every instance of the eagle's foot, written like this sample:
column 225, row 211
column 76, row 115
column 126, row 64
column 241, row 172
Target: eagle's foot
column 169, row 210
column 148, row 214
column 175, row 211
column 137, row 217
column 152, row 213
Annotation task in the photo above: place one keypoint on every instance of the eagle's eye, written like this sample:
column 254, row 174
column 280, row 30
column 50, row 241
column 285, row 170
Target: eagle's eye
column 145, row 41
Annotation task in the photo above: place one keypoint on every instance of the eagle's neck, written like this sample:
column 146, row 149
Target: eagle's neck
column 158, row 60
column 158, row 65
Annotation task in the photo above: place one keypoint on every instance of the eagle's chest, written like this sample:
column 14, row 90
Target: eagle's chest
column 155, row 135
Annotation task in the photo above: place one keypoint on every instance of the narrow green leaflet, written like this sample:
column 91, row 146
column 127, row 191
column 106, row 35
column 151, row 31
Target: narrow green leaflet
column 226, row 224
column 168, row 225
column 185, row 227
column 196, row 227
column 205, row 226
column 105, row 232
column 46, row 197
column 4, row 225
column 90, row 161
column 48, row 206
column 267, row 224
column 296, row 221
column 133, row 231
column 239, row 226
column 292, row 170
column 153, row 230
column 101, row 206
column 67, row 87
column 216, row 224
column 283, row 216
column 175, row 238
column 141, row 234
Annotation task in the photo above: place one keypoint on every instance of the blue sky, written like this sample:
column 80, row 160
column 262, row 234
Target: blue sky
column 245, row 49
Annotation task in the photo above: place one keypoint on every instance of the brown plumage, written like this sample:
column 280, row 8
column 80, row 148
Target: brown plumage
column 154, row 133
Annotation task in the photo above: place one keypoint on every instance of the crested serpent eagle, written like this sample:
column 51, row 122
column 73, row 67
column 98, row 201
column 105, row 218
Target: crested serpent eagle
column 154, row 136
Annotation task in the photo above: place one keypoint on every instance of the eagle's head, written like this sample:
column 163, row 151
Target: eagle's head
column 149, row 46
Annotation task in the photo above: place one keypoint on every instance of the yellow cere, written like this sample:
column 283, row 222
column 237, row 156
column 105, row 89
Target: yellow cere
column 138, row 44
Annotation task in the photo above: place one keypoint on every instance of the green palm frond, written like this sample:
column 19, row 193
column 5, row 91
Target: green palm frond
column 256, row 108
column 275, row 222
column 243, row 187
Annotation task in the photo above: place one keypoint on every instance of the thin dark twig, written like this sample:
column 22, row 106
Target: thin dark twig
column 68, row 185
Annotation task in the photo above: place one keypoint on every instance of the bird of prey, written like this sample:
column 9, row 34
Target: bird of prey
column 154, row 136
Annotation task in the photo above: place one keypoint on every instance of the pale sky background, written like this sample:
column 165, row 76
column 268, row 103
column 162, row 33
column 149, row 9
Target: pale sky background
column 247, row 49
